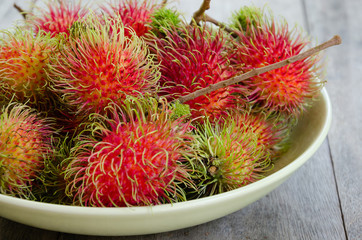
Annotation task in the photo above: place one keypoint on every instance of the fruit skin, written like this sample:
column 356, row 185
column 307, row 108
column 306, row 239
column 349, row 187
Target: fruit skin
column 97, row 67
column 24, row 59
column 165, row 19
column 135, row 15
column 131, row 159
column 271, row 131
column 58, row 17
column 247, row 18
column 229, row 156
column 24, row 143
column 288, row 90
column 192, row 58
column 51, row 185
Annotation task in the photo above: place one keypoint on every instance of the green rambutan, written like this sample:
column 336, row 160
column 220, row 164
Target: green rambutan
column 271, row 132
column 287, row 90
column 247, row 18
column 230, row 155
column 192, row 58
column 134, row 14
column 58, row 17
column 51, row 184
column 165, row 19
column 180, row 110
column 100, row 66
column 23, row 65
column 132, row 159
column 24, row 143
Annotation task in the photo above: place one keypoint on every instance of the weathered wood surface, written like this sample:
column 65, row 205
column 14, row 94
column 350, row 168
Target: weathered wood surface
column 328, row 17
column 323, row 199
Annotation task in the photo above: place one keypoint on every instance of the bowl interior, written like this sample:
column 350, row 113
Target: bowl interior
column 313, row 124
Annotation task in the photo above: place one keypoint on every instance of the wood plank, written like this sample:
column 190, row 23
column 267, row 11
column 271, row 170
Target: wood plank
column 329, row 17
column 10, row 230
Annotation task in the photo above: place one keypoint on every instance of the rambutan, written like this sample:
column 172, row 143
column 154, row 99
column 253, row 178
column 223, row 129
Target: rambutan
column 133, row 158
column 24, row 143
column 165, row 19
column 192, row 58
column 287, row 90
column 230, row 155
column 135, row 15
column 58, row 17
column 23, row 65
column 51, row 184
column 98, row 67
column 271, row 132
column 247, row 18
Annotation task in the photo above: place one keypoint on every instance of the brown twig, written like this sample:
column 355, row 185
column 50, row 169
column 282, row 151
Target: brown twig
column 164, row 2
column 20, row 10
column 200, row 14
column 219, row 24
column 336, row 40
column 24, row 13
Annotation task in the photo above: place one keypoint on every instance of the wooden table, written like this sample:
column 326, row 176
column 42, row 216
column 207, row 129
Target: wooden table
column 323, row 199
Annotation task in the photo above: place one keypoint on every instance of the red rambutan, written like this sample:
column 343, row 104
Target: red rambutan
column 97, row 67
column 132, row 159
column 192, row 58
column 24, row 143
column 58, row 17
column 23, row 64
column 288, row 89
column 135, row 15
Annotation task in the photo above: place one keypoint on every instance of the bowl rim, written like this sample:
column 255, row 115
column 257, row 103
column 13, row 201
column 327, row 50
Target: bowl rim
column 140, row 210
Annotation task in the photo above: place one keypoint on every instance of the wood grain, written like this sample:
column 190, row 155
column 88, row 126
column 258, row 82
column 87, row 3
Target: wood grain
column 328, row 17
column 322, row 200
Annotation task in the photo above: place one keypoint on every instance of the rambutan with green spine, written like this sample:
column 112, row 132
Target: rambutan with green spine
column 247, row 18
column 98, row 66
column 165, row 19
column 24, row 144
column 192, row 58
column 51, row 184
column 135, row 15
column 58, row 16
column 271, row 131
column 134, row 158
column 24, row 59
column 287, row 90
column 180, row 110
column 229, row 156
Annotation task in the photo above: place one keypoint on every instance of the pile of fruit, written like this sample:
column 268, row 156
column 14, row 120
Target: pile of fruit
column 90, row 109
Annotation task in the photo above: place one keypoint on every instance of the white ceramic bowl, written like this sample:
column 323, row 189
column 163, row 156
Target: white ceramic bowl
column 307, row 137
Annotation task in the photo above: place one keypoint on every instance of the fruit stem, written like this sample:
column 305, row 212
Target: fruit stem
column 212, row 170
column 24, row 13
column 20, row 10
column 336, row 40
column 200, row 14
column 207, row 18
